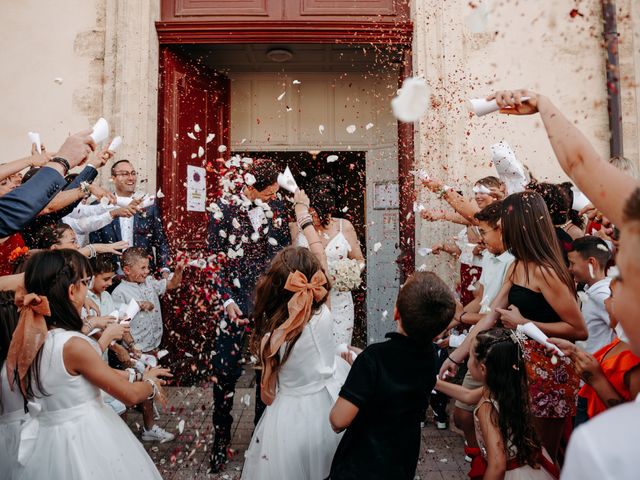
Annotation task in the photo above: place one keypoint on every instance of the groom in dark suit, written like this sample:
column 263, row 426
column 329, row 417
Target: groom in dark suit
column 144, row 229
column 249, row 229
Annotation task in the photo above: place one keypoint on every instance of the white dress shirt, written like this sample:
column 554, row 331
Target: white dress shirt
column 596, row 316
column 494, row 269
column 606, row 446
column 126, row 224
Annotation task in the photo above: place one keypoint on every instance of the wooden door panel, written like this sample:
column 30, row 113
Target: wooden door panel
column 189, row 95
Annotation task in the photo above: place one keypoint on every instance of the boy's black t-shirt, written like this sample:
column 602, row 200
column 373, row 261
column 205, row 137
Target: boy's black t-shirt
column 390, row 382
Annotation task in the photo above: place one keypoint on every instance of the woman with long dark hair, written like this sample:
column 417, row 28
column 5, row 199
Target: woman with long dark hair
column 540, row 289
column 71, row 433
column 338, row 237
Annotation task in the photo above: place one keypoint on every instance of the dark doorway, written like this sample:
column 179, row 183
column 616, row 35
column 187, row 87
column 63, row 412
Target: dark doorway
column 349, row 173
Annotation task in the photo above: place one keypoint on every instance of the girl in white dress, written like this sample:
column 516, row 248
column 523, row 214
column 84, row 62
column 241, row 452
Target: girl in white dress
column 12, row 414
column 71, row 433
column 340, row 241
column 301, row 373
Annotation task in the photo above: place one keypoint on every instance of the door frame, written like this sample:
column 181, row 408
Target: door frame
column 398, row 35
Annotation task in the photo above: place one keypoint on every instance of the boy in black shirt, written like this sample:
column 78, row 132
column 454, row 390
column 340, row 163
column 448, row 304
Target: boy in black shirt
column 384, row 396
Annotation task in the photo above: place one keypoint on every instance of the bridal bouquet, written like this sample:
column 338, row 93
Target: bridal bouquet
column 345, row 274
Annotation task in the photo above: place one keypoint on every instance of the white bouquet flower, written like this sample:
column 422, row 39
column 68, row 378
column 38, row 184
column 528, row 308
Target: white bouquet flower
column 345, row 274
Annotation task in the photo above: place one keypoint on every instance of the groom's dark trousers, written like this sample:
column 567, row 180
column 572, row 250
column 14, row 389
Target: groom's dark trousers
column 236, row 280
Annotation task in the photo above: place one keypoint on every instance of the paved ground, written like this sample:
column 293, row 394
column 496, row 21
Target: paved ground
column 186, row 457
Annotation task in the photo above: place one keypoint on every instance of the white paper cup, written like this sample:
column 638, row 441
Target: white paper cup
column 100, row 130
column 35, row 138
column 115, row 144
column 482, row 107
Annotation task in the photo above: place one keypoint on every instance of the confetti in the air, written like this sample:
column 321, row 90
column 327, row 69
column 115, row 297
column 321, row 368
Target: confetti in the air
column 210, row 137
column 222, row 148
column 351, row 128
column 191, row 135
column 200, row 152
column 412, row 101
column 196, row 128
column 297, row 82
column 58, row 80
column 332, row 158
column 369, row 126
column 321, row 129
column 181, row 426
column 281, row 96
column 377, row 246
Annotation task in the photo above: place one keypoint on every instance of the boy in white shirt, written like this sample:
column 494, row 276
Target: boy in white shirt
column 495, row 264
column 587, row 263
column 146, row 326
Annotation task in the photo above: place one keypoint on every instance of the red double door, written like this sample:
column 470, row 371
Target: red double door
column 193, row 124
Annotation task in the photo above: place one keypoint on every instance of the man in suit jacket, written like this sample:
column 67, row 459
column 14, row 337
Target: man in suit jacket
column 144, row 229
column 22, row 204
column 249, row 229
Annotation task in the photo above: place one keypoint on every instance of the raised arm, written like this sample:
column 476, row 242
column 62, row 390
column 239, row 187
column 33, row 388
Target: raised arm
column 600, row 181
column 466, row 208
column 301, row 202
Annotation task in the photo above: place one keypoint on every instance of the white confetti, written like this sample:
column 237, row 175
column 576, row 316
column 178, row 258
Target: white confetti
column 242, row 141
column 191, row 136
column 181, row 426
column 345, row 209
column 196, row 128
column 210, row 137
column 297, row 82
column 281, row 96
column 272, row 241
column 412, row 101
column 255, row 236
column 384, row 315
column 249, row 179
column 369, row 126
column 351, row 129
column 162, row 353
column 175, row 154
column 200, row 152
column 222, row 148
column 58, row 80
column 602, row 247
column 246, row 400
column 321, row 129
column 159, row 194
column 332, row 158
column 194, row 155
column 430, row 450
column 235, row 223
column 236, row 282
column 377, row 246
column 591, row 274
column 222, row 233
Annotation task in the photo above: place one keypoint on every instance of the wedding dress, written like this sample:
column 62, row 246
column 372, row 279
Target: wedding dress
column 337, row 249
column 294, row 440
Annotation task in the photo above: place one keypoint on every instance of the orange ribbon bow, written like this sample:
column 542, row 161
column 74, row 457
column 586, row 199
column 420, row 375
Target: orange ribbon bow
column 28, row 337
column 299, row 307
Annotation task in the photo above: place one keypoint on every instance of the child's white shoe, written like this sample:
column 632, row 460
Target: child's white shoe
column 157, row 434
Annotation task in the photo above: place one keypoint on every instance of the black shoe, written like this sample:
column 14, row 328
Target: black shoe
column 218, row 459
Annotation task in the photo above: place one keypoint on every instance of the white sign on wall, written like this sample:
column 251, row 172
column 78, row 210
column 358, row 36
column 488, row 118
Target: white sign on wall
column 196, row 189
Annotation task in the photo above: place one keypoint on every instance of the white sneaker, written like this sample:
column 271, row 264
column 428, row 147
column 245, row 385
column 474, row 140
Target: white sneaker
column 157, row 434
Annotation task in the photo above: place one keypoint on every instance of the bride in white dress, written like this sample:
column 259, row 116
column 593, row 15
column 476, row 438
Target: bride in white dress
column 302, row 375
column 340, row 241
column 70, row 433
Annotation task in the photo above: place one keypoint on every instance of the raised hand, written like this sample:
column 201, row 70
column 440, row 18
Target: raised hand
column 510, row 101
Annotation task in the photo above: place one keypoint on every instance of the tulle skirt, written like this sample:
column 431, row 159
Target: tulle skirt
column 343, row 316
column 88, row 441
column 9, row 442
column 293, row 440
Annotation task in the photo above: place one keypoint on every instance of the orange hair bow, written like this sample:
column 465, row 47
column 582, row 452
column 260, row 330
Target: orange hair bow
column 28, row 337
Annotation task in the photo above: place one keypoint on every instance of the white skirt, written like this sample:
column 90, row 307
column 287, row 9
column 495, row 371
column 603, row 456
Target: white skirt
column 9, row 442
column 293, row 440
column 88, row 441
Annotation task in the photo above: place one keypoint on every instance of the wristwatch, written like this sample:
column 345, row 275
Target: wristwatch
column 84, row 186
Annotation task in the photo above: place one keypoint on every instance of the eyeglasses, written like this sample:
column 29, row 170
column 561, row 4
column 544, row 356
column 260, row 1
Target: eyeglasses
column 125, row 174
column 483, row 232
column 86, row 281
